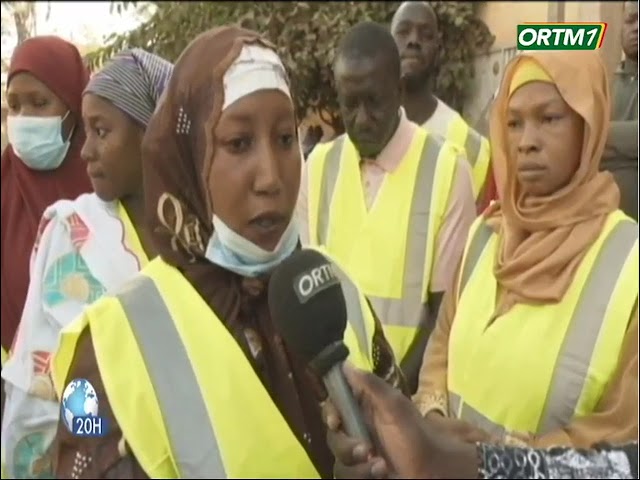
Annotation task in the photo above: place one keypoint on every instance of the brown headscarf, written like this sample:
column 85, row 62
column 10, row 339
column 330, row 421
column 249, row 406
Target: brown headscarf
column 178, row 149
column 544, row 239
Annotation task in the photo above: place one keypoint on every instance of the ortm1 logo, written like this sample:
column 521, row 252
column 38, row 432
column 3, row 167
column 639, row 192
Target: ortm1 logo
column 79, row 410
column 561, row 36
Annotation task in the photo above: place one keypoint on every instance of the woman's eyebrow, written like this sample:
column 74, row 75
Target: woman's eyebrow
column 93, row 117
column 239, row 117
column 536, row 106
column 31, row 92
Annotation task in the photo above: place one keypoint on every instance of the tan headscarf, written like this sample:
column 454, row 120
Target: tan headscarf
column 543, row 240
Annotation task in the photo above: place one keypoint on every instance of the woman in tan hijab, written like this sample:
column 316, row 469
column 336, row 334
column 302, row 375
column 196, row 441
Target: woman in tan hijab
column 537, row 341
column 185, row 360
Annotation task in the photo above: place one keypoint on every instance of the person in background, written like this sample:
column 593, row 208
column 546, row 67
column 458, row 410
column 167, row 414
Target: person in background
column 390, row 200
column 42, row 163
column 201, row 385
column 545, row 303
column 311, row 139
column 416, row 32
column 408, row 446
column 482, row 123
column 85, row 248
column 621, row 153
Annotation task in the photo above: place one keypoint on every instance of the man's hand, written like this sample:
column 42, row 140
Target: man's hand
column 458, row 428
column 353, row 458
column 406, row 444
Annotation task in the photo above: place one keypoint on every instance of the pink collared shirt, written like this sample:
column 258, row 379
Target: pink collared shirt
column 456, row 222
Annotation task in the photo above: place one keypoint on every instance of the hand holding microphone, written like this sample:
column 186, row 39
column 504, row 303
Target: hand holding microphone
column 308, row 307
column 406, row 444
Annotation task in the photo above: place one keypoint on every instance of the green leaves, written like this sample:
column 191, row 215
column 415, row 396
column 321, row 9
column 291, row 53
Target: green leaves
column 306, row 34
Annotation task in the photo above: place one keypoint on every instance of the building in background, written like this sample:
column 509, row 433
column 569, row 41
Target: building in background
column 502, row 19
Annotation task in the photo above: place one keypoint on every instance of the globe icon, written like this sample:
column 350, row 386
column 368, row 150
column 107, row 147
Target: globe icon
column 79, row 399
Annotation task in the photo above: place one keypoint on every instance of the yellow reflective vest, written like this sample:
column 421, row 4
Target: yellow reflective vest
column 388, row 248
column 536, row 368
column 183, row 392
column 475, row 146
column 5, row 355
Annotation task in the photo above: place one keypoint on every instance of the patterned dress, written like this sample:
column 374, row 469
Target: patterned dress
column 560, row 462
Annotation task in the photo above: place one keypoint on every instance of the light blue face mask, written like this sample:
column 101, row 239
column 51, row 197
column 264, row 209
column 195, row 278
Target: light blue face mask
column 37, row 141
column 237, row 254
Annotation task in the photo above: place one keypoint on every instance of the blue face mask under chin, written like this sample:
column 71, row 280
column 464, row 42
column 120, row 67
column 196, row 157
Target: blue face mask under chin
column 237, row 254
column 37, row 141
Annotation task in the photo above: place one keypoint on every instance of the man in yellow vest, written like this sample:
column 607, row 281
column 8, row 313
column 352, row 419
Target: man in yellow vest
column 389, row 200
column 415, row 30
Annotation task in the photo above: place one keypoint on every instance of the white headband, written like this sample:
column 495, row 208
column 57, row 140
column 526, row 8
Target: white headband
column 256, row 68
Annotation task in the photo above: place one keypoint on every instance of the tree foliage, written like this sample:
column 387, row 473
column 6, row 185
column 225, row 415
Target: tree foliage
column 23, row 15
column 19, row 22
column 307, row 34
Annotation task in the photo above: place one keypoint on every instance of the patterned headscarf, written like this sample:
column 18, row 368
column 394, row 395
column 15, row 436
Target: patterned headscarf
column 133, row 81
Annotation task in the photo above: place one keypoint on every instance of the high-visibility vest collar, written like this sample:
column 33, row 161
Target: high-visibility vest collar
column 476, row 148
column 388, row 248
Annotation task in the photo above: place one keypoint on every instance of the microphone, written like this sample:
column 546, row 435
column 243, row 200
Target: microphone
column 308, row 308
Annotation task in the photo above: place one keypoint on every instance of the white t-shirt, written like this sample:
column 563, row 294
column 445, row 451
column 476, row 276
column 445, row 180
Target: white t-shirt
column 441, row 119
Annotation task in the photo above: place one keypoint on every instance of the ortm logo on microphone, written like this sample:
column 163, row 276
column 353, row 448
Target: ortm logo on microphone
column 79, row 410
column 314, row 281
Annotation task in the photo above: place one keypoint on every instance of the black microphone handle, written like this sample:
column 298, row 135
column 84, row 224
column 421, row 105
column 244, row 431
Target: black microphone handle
column 342, row 397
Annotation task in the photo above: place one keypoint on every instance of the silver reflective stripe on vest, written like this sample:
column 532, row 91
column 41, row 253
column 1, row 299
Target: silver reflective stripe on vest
column 409, row 311
column 571, row 370
column 481, row 237
column 464, row 412
column 327, row 187
column 191, row 436
column 472, row 146
column 354, row 310
column 575, row 356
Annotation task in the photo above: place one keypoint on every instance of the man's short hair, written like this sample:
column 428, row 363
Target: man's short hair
column 428, row 5
column 370, row 40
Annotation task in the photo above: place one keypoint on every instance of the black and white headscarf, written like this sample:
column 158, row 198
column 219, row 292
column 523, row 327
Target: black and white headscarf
column 133, row 81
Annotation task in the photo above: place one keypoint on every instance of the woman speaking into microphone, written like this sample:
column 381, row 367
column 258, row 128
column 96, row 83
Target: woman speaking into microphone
column 185, row 359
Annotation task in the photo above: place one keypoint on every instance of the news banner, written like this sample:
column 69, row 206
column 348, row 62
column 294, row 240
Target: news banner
column 79, row 409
